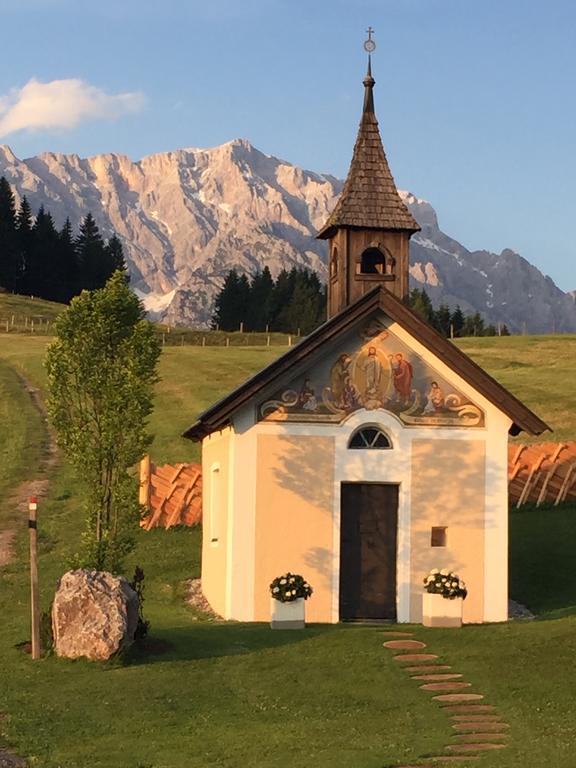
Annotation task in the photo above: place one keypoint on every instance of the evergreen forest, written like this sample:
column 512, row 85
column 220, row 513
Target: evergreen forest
column 296, row 303
column 37, row 259
column 293, row 303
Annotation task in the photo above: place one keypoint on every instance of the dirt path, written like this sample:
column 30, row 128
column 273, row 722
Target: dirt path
column 38, row 485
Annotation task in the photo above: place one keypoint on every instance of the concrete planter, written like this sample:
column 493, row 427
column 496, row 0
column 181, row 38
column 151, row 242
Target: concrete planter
column 438, row 611
column 287, row 615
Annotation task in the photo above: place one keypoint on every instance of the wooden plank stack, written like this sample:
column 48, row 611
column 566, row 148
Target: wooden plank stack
column 174, row 494
column 544, row 473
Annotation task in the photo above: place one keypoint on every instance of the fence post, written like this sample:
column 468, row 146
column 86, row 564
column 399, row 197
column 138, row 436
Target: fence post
column 34, row 597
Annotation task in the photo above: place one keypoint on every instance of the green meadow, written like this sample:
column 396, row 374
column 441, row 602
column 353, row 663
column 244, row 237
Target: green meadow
column 226, row 694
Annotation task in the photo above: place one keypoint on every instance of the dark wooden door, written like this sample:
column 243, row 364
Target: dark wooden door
column 368, row 534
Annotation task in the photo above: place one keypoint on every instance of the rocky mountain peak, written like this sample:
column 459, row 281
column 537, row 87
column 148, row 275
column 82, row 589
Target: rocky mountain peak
column 188, row 216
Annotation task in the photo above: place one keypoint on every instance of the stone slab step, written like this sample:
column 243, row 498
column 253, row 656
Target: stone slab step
column 464, row 709
column 473, row 718
column 480, row 727
column 451, row 759
column 480, row 746
column 404, row 645
column 445, row 686
column 425, row 668
column 405, row 657
column 437, row 678
column 454, row 698
column 474, row 738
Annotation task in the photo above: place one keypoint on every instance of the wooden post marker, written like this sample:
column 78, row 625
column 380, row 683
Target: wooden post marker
column 34, row 596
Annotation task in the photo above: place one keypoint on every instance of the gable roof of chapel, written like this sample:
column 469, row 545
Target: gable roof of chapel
column 221, row 413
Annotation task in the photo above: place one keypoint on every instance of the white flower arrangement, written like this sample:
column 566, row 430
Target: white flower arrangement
column 290, row 587
column 446, row 583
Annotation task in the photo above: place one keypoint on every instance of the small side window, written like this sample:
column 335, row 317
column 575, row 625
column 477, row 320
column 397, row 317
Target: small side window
column 438, row 536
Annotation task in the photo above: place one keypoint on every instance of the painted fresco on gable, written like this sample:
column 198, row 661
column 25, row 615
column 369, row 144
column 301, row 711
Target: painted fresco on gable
column 372, row 370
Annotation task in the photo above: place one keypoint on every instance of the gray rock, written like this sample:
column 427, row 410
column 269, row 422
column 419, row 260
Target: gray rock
column 94, row 615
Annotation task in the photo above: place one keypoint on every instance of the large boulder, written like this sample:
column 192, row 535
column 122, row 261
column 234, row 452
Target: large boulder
column 94, row 614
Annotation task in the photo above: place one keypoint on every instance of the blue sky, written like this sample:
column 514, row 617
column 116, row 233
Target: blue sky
column 475, row 98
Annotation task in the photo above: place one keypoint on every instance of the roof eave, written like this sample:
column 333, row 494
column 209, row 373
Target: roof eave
column 329, row 229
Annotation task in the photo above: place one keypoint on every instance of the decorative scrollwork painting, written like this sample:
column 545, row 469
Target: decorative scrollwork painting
column 373, row 370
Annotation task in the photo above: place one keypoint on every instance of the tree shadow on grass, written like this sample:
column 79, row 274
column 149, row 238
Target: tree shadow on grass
column 214, row 640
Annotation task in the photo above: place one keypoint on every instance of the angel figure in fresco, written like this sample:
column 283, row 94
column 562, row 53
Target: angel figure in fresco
column 434, row 399
column 338, row 374
column 402, row 375
column 307, row 397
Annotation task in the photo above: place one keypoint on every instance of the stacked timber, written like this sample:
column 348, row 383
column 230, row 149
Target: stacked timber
column 544, row 473
column 172, row 494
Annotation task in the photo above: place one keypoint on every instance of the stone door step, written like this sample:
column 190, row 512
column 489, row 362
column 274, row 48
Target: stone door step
column 437, row 678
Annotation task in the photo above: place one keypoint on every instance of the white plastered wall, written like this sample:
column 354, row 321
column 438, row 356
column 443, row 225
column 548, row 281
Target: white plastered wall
column 393, row 466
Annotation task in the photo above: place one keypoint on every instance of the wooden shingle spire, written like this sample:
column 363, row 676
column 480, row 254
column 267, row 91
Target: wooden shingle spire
column 369, row 198
column 369, row 231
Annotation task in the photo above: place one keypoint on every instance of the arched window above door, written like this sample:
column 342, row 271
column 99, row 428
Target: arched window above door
column 370, row 437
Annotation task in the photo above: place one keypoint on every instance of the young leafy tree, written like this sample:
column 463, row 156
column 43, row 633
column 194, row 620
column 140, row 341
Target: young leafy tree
column 101, row 372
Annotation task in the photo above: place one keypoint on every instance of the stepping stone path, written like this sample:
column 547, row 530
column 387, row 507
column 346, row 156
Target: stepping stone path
column 476, row 726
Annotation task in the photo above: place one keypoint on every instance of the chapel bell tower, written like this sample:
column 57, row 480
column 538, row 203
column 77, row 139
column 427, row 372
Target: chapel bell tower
column 370, row 228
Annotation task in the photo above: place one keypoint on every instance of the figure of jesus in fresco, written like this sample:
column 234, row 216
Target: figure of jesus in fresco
column 403, row 374
column 373, row 372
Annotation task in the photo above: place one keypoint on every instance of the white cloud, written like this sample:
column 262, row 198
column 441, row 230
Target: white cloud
column 61, row 104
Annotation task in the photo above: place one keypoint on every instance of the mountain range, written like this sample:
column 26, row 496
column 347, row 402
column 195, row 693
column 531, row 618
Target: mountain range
column 187, row 217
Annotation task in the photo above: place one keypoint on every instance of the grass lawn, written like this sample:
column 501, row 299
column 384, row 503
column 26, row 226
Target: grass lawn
column 241, row 696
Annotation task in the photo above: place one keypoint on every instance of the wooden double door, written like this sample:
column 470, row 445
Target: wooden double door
column 368, row 545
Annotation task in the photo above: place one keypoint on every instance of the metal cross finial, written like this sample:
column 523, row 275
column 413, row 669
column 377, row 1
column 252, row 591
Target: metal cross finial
column 369, row 45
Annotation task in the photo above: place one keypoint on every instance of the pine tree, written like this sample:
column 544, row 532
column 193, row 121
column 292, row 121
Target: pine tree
column 25, row 239
column 420, row 303
column 442, row 320
column 231, row 304
column 9, row 267
column 42, row 270
column 68, row 262
column 457, row 321
column 113, row 258
column 258, row 313
column 90, row 255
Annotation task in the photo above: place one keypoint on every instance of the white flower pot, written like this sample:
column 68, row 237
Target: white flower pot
column 438, row 611
column 287, row 615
